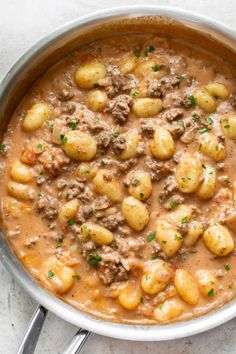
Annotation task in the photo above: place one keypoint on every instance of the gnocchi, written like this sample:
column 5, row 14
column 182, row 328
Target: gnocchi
column 86, row 76
column 96, row 233
column 186, row 286
column 68, row 211
column 105, row 183
column 205, row 100
column 135, row 213
column 218, row 240
column 156, row 276
column 162, row 145
column 188, row 173
column 21, row 172
column 169, row 310
column 228, row 125
column 36, row 116
column 146, row 107
column 207, row 282
column 79, row 146
column 140, row 186
column 168, row 237
column 208, row 186
column 211, row 147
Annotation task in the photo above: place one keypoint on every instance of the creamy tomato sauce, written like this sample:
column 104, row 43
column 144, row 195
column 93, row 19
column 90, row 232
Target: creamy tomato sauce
column 118, row 180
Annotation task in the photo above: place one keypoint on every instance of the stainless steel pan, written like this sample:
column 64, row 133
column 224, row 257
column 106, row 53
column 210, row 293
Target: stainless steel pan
column 199, row 29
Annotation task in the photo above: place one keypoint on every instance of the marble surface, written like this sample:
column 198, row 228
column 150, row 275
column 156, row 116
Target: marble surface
column 22, row 23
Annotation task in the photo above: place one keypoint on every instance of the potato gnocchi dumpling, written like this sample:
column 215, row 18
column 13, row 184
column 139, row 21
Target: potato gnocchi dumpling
column 162, row 146
column 228, row 125
column 130, row 151
column 218, row 240
column 129, row 297
column 168, row 237
column 205, row 100
column 79, row 146
column 207, row 283
column 36, row 116
column 169, row 310
column 186, row 286
column 56, row 276
column 146, row 107
column 210, row 146
column 188, row 173
column 135, row 213
column 105, row 183
column 140, row 185
column 96, row 233
column 86, row 76
column 156, row 276
column 21, row 172
column 208, row 186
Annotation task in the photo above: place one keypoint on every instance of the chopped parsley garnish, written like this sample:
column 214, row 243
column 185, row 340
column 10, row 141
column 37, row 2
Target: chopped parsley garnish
column 88, row 237
column 141, row 195
column 148, row 51
column 173, row 203
column 116, row 134
column 39, row 146
column 136, row 181
column 227, row 126
column 203, row 166
column 156, row 68
column 227, row 267
column 154, row 256
column 2, row 147
column 95, row 85
column 142, row 300
column 63, row 139
column 211, row 293
column 94, row 259
column 50, row 274
column 137, row 53
column 164, row 242
column 151, row 236
column 73, row 125
column 184, row 179
column 161, row 306
column 181, row 77
column 84, row 227
column 192, row 100
column 184, row 220
column 210, row 120
column 71, row 222
column 135, row 93
column 193, row 252
column 177, row 236
column 77, row 277
column 203, row 130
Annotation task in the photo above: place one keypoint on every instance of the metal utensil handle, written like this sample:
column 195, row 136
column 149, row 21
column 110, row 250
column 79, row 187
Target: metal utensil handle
column 77, row 342
column 33, row 331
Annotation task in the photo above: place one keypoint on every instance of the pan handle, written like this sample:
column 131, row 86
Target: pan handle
column 33, row 331
column 77, row 342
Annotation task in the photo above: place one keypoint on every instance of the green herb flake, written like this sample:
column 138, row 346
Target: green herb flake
column 151, row 237
column 73, row 125
column 148, row 51
column 203, row 130
column 227, row 126
column 63, row 139
column 181, row 77
column 161, row 306
column 2, row 147
column 71, row 222
column 164, row 242
column 177, row 236
column 211, row 293
column 94, row 259
column 77, row 277
column 210, row 120
column 184, row 220
column 193, row 252
column 116, row 134
column 95, row 85
column 141, row 195
column 142, row 300
column 184, row 179
column 192, row 100
column 136, row 181
column 227, row 267
column 50, row 274
column 137, row 53
column 156, row 68
column 135, row 93
column 83, row 227
column 39, row 146
column 173, row 203
column 154, row 256
column 88, row 237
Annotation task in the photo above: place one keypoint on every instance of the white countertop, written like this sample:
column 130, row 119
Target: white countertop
column 22, row 23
